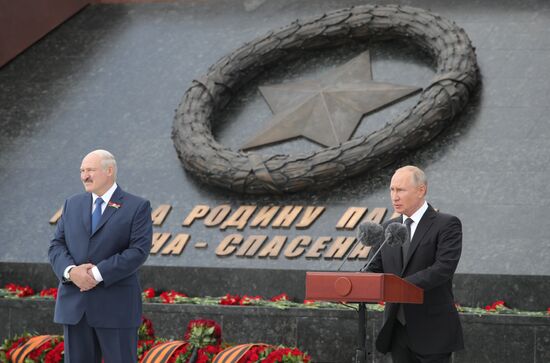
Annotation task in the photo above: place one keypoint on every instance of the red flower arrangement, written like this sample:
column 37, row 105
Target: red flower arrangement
column 203, row 332
column 14, row 291
column 204, row 355
column 56, row 355
column 144, row 346
column 41, row 351
column 230, row 300
column 181, row 355
column 203, row 338
column 146, row 330
column 250, row 300
column 148, row 293
column 18, row 290
column 8, row 347
column 35, row 354
column 169, row 297
column 207, row 354
column 280, row 297
column 496, row 306
column 51, row 292
column 256, row 354
column 52, row 351
column 287, row 355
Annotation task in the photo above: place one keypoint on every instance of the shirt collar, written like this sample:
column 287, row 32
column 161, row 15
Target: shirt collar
column 417, row 216
column 107, row 196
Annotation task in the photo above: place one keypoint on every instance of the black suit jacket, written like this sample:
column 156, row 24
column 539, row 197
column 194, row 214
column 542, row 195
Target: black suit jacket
column 434, row 326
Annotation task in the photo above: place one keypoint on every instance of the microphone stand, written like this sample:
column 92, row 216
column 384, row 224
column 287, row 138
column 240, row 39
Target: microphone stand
column 362, row 346
column 361, row 355
column 364, row 268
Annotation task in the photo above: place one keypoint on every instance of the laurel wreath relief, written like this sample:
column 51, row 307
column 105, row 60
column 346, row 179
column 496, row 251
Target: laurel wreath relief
column 457, row 75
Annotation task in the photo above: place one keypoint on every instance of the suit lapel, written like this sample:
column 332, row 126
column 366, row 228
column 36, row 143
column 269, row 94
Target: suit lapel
column 87, row 213
column 423, row 226
column 116, row 198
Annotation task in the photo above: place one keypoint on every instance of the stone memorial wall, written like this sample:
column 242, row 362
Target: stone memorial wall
column 112, row 76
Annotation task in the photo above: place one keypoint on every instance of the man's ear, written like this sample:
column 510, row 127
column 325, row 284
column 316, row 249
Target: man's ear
column 423, row 190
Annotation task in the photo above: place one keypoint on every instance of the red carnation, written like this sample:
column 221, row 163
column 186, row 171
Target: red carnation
column 146, row 330
column 497, row 305
column 206, row 354
column 56, row 354
column 213, row 349
column 180, row 351
column 149, row 293
column 249, row 300
column 11, row 287
column 254, row 354
column 280, row 297
column 49, row 292
column 230, row 300
column 203, row 323
column 169, row 297
column 280, row 354
column 36, row 353
column 18, row 290
column 25, row 291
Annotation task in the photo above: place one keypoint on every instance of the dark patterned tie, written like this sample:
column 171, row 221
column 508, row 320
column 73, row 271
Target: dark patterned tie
column 407, row 243
column 96, row 215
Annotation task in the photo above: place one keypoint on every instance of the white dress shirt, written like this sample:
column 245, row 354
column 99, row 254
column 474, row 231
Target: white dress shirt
column 106, row 199
column 416, row 217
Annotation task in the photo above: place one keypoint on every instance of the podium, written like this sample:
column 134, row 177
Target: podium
column 361, row 287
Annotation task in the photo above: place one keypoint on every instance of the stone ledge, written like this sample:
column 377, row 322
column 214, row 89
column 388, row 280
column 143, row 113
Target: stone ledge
column 518, row 291
column 329, row 335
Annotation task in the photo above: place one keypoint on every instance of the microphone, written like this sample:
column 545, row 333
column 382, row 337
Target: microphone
column 369, row 234
column 396, row 234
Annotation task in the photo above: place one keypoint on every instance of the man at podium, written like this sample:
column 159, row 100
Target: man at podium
column 431, row 331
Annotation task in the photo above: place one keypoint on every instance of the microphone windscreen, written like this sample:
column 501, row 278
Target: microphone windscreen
column 396, row 234
column 370, row 233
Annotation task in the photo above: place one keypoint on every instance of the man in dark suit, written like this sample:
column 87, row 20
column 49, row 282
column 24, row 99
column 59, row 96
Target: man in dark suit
column 431, row 331
column 103, row 237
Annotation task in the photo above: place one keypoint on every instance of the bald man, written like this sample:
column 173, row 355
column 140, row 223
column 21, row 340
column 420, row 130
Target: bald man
column 102, row 238
column 428, row 332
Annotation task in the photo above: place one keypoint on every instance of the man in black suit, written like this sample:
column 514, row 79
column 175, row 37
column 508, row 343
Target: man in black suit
column 428, row 332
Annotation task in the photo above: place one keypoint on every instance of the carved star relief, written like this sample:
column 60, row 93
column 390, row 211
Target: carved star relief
column 326, row 111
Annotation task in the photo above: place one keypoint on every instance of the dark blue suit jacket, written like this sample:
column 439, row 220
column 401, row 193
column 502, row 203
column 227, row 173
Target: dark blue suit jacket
column 118, row 247
column 434, row 326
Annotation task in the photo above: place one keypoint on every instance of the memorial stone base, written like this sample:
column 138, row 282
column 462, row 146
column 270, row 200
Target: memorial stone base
column 328, row 335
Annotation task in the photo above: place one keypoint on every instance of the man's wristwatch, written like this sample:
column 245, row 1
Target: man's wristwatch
column 69, row 273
